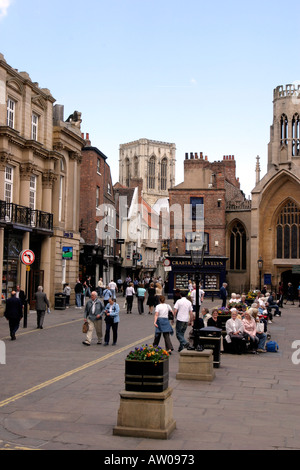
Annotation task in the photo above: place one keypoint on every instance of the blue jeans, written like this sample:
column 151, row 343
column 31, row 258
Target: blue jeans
column 181, row 327
column 78, row 299
column 262, row 337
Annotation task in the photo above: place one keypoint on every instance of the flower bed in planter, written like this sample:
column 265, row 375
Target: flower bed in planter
column 147, row 370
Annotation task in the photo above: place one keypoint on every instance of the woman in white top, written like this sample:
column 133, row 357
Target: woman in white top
column 235, row 332
column 162, row 324
column 129, row 297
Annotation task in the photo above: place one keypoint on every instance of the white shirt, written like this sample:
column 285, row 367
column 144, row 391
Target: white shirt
column 112, row 285
column 183, row 307
column 130, row 291
column 193, row 296
column 163, row 310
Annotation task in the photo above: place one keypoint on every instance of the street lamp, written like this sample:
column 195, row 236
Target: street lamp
column 197, row 254
column 260, row 264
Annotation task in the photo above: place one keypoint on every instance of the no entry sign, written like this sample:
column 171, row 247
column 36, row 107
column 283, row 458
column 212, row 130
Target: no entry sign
column 27, row 257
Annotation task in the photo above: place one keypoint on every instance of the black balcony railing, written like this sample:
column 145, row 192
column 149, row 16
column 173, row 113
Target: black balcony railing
column 21, row 215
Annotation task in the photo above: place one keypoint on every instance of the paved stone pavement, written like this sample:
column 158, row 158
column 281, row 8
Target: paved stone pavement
column 57, row 394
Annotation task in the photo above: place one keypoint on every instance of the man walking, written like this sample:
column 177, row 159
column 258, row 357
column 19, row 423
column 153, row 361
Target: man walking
column 78, row 293
column 13, row 313
column 41, row 304
column 223, row 294
column 93, row 312
column 183, row 312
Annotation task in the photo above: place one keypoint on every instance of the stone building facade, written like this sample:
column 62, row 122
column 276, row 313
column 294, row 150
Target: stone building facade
column 151, row 160
column 275, row 214
column 40, row 156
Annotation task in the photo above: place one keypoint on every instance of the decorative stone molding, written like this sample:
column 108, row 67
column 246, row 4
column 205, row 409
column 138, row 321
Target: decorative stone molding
column 49, row 177
column 75, row 156
column 5, row 159
column 27, row 170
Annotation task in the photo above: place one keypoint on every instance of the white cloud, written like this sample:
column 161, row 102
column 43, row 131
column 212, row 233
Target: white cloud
column 4, row 4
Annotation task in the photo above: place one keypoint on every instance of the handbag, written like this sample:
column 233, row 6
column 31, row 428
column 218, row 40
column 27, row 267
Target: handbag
column 109, row 320
column 85, row 327
column 260, row 327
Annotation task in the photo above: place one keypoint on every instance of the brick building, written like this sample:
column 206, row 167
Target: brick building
column 198, row 212
column 98, row 217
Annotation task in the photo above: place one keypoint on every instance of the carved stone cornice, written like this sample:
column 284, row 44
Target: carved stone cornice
column 27, row 169
column 5, row 159
column 48, row 178
column 75, row 156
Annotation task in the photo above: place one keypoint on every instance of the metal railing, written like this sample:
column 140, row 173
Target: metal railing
column 11, row 213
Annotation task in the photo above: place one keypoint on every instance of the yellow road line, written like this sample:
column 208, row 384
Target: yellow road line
column 36, row 330
column 71, row 372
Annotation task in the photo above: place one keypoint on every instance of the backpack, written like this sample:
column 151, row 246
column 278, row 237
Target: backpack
column 272, row 346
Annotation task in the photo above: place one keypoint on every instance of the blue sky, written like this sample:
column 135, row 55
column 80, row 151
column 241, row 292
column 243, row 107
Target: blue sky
column 199, row 74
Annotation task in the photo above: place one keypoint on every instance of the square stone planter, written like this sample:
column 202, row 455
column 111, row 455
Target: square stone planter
column 196, row 365
column 145, row 414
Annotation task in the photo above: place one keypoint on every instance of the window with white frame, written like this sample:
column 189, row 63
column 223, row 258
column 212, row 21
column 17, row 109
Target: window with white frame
column 8, row 190
column 34, row 126
column 8, row 187
column 11, row 108
column 32, row 192
column 60, row 198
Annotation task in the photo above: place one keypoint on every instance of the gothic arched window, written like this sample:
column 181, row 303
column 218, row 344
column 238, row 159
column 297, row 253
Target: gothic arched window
column 127, row 172
column 237, row 247
column 151, row 173
column 136, row 166
column 287, row 232
column 163, row 178
column 284, row 129
column 296, row 135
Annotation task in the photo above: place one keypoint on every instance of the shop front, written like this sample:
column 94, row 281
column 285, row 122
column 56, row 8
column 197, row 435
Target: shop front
column 212, row 274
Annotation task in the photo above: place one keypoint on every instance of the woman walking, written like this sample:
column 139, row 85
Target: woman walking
column 129, row 297
column 162, row 324
column 151, row 302
column 112, row 320
column 141, row 292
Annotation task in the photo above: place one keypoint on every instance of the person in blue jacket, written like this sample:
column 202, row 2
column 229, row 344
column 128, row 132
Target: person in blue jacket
column 112, row 320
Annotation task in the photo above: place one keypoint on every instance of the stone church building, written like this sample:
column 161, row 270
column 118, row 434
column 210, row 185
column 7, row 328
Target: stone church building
column 275, row 214
column 151, row 160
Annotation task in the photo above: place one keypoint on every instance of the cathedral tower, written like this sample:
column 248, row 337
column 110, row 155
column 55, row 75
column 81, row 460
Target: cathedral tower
column 153, row 162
